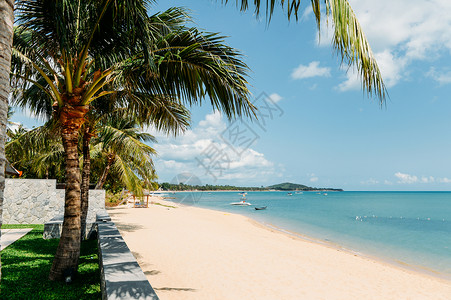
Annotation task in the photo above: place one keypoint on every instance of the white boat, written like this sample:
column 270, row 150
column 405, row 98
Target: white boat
column 240, row 203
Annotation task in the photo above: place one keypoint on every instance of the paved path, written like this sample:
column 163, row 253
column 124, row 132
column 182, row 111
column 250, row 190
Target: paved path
column 9, row 236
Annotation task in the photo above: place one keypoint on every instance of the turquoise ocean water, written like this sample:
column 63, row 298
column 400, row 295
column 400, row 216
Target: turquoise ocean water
column 412, row 228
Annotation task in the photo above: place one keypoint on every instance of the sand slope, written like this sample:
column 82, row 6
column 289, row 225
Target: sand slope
column 193, row 253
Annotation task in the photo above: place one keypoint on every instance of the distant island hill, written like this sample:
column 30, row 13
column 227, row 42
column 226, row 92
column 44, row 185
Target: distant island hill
column 287, row 186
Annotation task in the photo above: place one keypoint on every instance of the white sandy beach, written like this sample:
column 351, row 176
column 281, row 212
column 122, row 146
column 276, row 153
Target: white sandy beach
column 194, row 253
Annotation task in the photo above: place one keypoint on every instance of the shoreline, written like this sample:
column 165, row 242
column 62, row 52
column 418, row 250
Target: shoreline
column 379, row 257
column 336, row 246
column 282, row 191
column 282, row 259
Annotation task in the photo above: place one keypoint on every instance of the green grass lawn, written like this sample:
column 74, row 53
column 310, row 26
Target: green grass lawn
column 26, row 266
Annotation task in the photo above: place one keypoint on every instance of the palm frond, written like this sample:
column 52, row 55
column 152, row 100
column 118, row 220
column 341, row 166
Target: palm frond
column 349, row 41
column 192, row 65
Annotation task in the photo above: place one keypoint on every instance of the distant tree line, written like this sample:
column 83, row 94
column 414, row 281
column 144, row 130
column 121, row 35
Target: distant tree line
column 166, row 186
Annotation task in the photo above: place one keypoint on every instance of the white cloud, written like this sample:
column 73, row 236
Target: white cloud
column 352, row 82
column 444, row 180
column 419, row 27
column 370, row 181
column 188, row 151
column 213, row 121
column 311, row 70
column 392, row 69
column 401, row 32
column 406, row 178
column 443, row 77
column 275, row 97
column 409, row 179
column 313, row 177
column 324, row 38
column 429, row 179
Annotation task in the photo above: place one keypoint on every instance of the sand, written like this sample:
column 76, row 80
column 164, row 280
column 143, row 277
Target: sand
column 194, row 253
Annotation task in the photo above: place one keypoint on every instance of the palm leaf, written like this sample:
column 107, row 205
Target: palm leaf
column 349, row 41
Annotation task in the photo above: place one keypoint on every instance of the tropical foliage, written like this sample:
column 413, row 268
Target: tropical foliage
column 121, row 148
column 67, row 55
column 6, row 30
column 70, row 55
column 38, row 153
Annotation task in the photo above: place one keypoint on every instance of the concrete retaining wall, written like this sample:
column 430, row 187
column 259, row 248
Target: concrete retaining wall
column 121, row 277
column 37, row 201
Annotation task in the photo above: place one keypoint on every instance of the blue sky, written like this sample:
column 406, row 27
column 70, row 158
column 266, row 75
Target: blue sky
column 326, row 132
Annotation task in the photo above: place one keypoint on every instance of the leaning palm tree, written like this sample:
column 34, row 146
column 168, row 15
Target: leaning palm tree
column 6, row 34
column 123, row 149
column 73, row 53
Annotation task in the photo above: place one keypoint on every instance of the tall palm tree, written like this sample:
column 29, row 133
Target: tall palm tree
column 6, row 33
column 73, row 53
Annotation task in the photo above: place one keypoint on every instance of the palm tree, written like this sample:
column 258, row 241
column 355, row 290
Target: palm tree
column 73, row 56
column 122, row 149
column 113, row 130
column 73, row 53
column 6, row 33
column 38, row 152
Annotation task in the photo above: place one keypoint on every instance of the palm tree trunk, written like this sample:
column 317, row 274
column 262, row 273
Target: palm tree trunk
column 102, row 179
column 68, row 251
column 6, row 39
column 85, row 176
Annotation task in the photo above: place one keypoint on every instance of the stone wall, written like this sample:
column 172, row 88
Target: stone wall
column 36, row 201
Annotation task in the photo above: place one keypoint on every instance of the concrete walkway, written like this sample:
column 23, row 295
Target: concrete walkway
column 9, row 236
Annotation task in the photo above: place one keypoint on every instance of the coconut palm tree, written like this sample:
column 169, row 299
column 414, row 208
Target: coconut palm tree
column 123, row 149
column 73, row 53
column 6, row 33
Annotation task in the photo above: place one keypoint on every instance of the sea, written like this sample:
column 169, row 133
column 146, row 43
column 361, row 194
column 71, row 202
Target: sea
column 409, row 229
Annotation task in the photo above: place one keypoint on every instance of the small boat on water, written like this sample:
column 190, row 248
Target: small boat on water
column 260, row 208
column 242, row 203
column 290, row 194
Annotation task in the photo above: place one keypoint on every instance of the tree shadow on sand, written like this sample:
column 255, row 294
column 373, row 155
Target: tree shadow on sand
column 152, row 272
column 175, row 289
column 129, row 227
